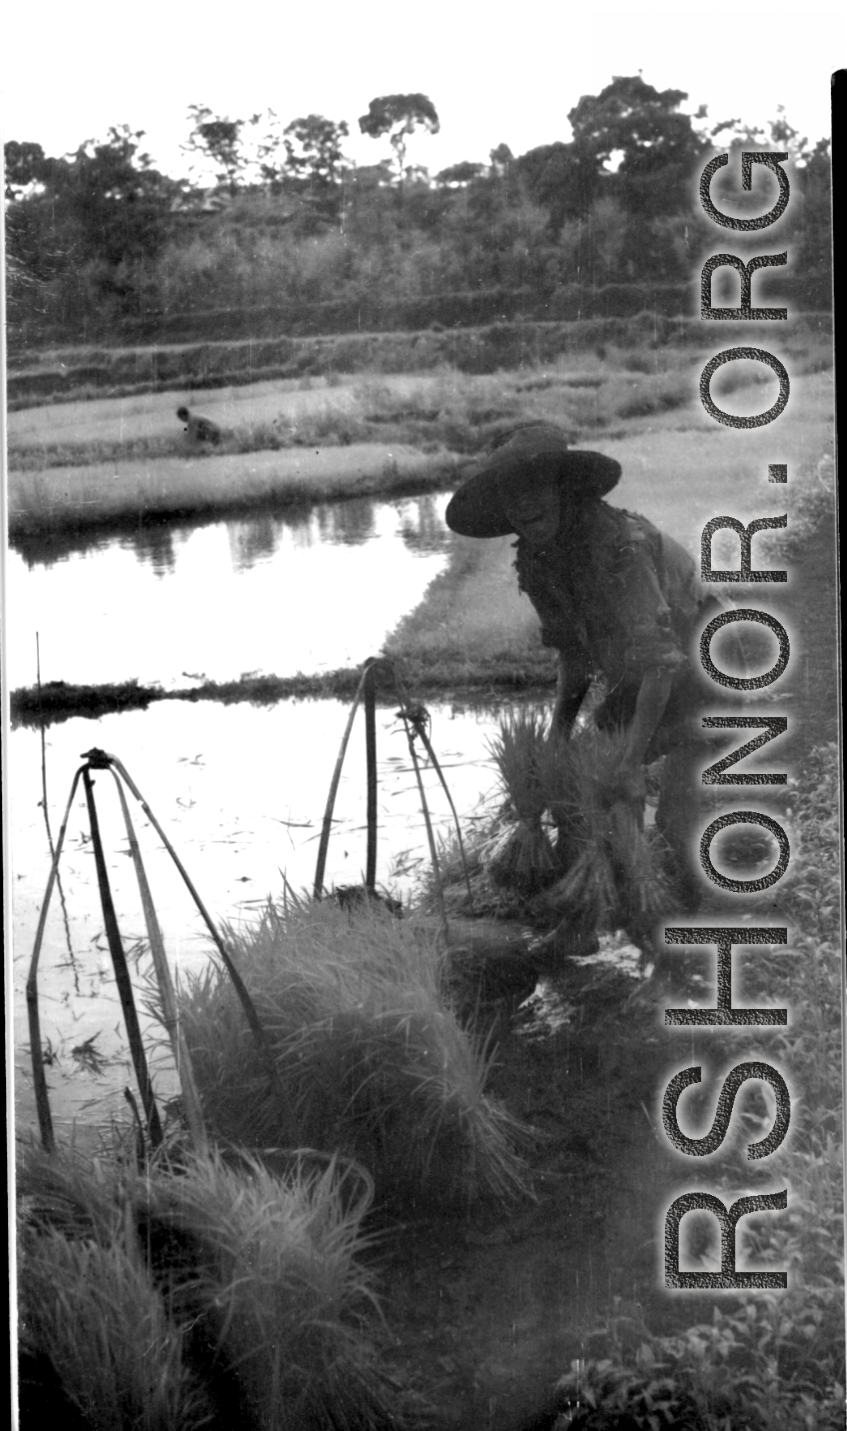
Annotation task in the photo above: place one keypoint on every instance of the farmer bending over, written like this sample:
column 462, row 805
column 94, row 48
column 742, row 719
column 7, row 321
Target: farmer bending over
column 199, row 429
column 617, row 599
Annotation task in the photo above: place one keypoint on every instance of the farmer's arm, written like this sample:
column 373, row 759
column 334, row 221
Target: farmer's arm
column 572, row 686
column 649, row 709
column 552, row 606
column 654, row 650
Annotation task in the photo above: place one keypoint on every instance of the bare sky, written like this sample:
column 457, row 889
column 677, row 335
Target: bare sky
column 495, row 73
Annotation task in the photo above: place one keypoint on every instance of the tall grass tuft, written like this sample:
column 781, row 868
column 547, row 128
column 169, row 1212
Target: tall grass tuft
column 88, row 1307
column 367, row 1042
column 202, row 1293
column 283, row 1281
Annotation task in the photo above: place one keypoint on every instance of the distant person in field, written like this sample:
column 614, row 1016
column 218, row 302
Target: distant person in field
column 199, row 429
column 619, row 600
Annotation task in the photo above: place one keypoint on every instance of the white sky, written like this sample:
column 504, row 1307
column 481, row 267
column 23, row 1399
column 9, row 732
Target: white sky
column 495, row 73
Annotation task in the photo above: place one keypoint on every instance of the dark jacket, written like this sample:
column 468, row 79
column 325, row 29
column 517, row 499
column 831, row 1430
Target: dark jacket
column 618, row 599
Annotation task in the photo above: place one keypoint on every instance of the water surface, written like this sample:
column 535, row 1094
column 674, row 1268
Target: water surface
column 178, row 603
column 240, row 792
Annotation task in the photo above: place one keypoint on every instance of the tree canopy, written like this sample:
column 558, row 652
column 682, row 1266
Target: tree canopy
column 313, row 147
column 398, row 116
column 219, row 139
column 100, row 235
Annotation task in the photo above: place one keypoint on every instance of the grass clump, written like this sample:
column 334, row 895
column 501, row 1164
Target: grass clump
column 202, row 1294
column 286, row 1288
column 369, row 1047
column 93, row 1311
column 90, row 1318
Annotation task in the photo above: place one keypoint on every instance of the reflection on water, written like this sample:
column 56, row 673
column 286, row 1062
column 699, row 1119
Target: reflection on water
column 153, row 546
column 312, row 590
column 240, row 792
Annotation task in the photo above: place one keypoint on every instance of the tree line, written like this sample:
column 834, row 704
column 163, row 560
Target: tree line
column 100, row 240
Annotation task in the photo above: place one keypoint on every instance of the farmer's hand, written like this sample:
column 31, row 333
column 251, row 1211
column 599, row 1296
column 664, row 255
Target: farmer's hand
column 653, row 696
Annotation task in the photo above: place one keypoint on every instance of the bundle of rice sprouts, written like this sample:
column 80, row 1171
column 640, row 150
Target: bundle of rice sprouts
column 93, row 1312
column 614, row 875
column 90, row 1318
column 367, row 1044
column 286, row 1288
column 210, row 1295
column 522, row 856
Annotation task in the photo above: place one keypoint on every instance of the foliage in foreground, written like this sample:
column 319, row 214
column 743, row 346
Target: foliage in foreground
column 201, row 1294
column 94, row 1313
column 768, row 1361
column 367, row 1046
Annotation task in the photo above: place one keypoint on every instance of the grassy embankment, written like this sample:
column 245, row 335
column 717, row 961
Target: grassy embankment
column 58, row 375
column 474, row 627
column 472, row 632
column 98, row 463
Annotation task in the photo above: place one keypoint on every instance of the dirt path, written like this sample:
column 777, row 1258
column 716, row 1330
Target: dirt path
column 494, row 1308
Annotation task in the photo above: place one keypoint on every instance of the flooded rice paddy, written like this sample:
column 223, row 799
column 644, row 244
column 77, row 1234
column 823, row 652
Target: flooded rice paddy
column 173, row 604
column 239, row 790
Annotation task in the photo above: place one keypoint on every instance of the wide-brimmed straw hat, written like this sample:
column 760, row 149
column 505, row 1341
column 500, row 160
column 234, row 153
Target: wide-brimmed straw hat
column 537, row 450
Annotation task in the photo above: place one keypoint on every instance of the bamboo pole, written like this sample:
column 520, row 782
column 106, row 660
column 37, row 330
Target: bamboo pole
column 420, row 728
column 434, row 758
column 119, row 964
column 46, row 810
column 39, row 1078
column 370, row 750
column 182, row 1056
column 410, row 735
column 320, row 867
column 286, row 1109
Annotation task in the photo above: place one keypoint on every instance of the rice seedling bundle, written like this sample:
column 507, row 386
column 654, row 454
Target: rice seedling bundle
column 92, row 1310
column 286, row 1288
column 355, row 1009
column 203, row 1293
column 522, row 857
column 616, row 875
